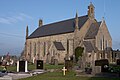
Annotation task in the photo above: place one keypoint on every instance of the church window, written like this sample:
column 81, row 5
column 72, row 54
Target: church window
column 38, row 47
column 68, row 46
column 30, row 49
column 115, row 55
column 34, row 49
column 44, row 48
column 106, row 43
column 101, row 44
column 91, row 10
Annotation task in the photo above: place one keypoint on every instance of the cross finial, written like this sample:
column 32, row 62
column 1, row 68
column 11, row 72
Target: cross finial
column 103, row 18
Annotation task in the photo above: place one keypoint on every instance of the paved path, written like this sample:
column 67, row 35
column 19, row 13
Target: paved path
column 15, row 76
column 6, row 77
column 19, row 75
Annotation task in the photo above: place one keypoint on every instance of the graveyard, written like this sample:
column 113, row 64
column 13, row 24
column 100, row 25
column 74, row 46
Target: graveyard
column 71, row 69
column 60, row 72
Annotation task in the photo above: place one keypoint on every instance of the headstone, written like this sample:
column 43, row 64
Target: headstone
column 96, row 69
column 80, row 62
column 64, row 70
column 39, row 64
column 103, row 63
column 118, row 61
column 69, row 64
column 22, row 66
column 0, row 63
column 2, row 58
column 33, row 59
column 52, row 60
column 11, row 62
column 55, row 62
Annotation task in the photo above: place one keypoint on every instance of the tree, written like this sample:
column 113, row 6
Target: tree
column 78, row 53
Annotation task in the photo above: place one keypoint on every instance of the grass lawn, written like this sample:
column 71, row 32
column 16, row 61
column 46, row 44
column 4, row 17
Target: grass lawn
column 55, row 75
column 59, row 76
column 48, row 66
column 14, row 68
column 32, row 67
column 9, row 68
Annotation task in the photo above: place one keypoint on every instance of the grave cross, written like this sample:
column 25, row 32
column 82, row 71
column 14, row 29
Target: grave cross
column 64, row 70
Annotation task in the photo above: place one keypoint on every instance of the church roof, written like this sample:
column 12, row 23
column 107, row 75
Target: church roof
column 92, row 31
column 61, row 27
column 59, row 46
column 89, row 47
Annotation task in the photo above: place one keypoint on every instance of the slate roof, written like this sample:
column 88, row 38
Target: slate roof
column 61, row 27
column 92, row 31
column 89, row 47
column 59, row 46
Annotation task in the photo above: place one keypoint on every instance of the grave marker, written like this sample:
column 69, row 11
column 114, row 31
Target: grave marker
column 22, row 66
column 69, row 64
column 64, row 70
column 39, row 64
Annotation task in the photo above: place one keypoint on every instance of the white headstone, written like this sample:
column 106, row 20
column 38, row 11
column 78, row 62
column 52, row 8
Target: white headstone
column 11, row 63
column 26, row 66
column 17, row 66
column 33, row 59
column 64, row 70
column 2, row 58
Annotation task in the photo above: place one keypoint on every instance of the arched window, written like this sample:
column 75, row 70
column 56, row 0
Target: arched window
column 44, row 49
column 101, row 44
column 38, row 47
column 30, row 49
column 92, row 10
column 34, row 49
column 106, row 43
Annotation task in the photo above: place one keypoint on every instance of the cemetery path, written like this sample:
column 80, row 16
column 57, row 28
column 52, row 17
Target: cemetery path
column 19, row 75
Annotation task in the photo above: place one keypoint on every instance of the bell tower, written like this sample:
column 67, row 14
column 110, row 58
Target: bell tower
column 91, row 9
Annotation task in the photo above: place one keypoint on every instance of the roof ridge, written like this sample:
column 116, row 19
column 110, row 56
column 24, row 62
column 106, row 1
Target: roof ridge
column 62, row 21
column 60, row 27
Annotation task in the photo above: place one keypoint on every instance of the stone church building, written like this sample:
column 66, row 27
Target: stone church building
column 57, row 40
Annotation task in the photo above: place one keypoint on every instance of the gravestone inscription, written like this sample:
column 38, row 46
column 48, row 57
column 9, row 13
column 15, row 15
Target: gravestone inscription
column 39, row 64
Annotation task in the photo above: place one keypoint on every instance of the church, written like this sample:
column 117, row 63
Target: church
column 53, row 42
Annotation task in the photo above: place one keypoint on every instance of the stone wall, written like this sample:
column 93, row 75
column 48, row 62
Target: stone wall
column 48, row 41
column 103, row 33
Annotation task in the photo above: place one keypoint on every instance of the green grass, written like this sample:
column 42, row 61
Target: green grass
column 48, row 66
column 68, row 76
column 9, row 68
column 59, row 75
column 32, row 67
column 55, row 75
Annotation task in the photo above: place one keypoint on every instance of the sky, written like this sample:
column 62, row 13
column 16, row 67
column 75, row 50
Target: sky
column 15, row 15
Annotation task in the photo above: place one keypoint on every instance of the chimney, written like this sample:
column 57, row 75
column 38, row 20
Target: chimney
column 40, row 22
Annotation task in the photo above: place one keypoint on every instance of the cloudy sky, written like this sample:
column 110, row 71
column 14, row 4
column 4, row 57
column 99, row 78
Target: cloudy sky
column 15, row 15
